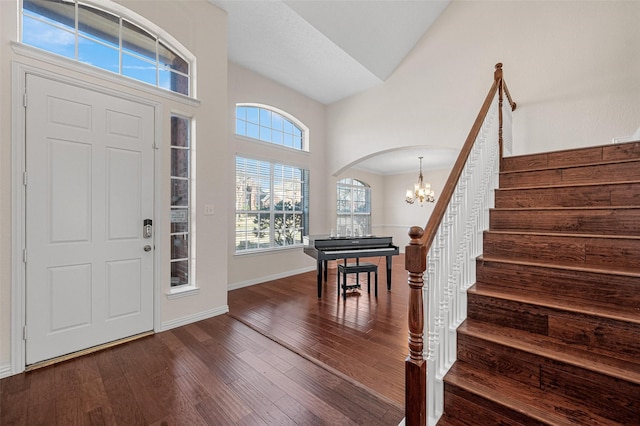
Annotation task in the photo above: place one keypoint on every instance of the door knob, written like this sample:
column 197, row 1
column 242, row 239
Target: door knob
column 147, row 248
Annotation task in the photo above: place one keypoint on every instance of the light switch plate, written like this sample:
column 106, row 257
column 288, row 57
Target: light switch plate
column 208, row 209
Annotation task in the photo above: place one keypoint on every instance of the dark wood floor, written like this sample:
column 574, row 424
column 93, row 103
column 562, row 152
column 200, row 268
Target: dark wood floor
column 362, row 338
column 344, row 366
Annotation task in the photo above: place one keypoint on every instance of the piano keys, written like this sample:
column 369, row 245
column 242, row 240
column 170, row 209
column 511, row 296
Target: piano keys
column 324, row 248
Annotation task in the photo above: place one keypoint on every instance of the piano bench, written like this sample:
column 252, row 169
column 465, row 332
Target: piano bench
column 356, row 268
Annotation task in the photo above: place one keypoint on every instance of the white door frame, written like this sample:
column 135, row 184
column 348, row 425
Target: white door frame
column 18, row 200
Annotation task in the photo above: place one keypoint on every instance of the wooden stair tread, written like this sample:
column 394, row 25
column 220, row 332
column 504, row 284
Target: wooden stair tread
column 551, row 348
column 572, row 166
column 570, row 208
column 593, row 308
column 566, row 185
column 530, row 401
column 564, row 234
column 633, row 273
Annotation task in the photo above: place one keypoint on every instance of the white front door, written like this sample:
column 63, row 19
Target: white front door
column 89, row 187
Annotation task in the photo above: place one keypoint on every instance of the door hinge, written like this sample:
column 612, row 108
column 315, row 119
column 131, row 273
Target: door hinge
column 24, row 99
column 24, row 178
column 24, row 255
column 24, row 333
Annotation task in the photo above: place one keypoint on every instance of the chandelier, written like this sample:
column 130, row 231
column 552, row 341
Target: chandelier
column 421, row 191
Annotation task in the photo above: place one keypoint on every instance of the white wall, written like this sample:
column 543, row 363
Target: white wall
column 247, row 86
column 400, row 216
column 201, row 28
column 572, row 68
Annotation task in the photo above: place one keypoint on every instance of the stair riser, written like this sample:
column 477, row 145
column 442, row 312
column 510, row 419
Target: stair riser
column 611, row 290
column 617, row 400
column 620, row 194
column 572, row 157
column 565, row 250
column 590, row 388
column 588, row 332
column 466, row 408
column 591, row 174
column 611, row 221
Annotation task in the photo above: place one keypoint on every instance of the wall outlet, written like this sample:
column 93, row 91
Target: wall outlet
column 209, row 210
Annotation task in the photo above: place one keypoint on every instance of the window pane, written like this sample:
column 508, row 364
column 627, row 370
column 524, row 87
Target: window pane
column 353, row 207
column 253, row 115
column 180, row 246
column 98, row 55
column 179, row 273
column 173, row 81
column 49, row 38
column 170, row 59
column 274, row 192
column 54, row 11
column 277, row 122
column 138, row 41
column 138, row 69
column 179, row 220
column 179, row 192
column 265, row 117
column 99, row 24
column 180, row 129
column 265, row 134
column 253, row 131
column 241, row 127
column 179, row 162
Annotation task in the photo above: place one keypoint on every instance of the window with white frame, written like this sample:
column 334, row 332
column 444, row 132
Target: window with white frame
column 269, row 125
column 181, row 235
column 353, row 208
column 105, row 40
column 272, row 205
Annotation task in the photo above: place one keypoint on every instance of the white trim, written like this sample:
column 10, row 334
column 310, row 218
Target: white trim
column 17, row 348
column 235, row 286
column 179, row 322
column 5, row 370
column 182, row 291
column 18, row 283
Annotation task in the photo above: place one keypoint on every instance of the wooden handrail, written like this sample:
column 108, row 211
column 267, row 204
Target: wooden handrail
column 416, row 260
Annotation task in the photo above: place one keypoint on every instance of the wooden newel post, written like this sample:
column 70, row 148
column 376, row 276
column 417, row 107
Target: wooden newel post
column 415, row 365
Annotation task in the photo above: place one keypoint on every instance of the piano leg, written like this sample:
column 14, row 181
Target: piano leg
column 320, row 277
column 389, row 273
column 326, row 269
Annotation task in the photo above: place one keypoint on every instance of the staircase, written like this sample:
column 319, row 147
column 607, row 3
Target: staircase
column 552, row 335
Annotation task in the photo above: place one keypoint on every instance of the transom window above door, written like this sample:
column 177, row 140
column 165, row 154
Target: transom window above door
column 106, row 40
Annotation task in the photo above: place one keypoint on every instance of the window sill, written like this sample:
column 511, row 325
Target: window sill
column 182, row 291
column 271, row 250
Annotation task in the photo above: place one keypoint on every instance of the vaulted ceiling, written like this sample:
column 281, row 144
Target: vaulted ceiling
column 330, row 49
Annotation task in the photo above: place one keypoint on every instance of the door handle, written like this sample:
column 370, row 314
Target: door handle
column 147, row 248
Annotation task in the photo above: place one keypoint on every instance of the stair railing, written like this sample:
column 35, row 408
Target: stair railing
column 440, row 259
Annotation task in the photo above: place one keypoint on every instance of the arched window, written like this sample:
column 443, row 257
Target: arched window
column 270, row 125
column 106, row 40
column 353, row 208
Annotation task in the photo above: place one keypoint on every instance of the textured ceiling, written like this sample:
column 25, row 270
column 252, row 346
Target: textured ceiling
column 327, row 50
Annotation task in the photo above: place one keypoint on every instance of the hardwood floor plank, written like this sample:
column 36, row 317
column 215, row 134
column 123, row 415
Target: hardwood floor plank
column 363, row 338
column 220, row 371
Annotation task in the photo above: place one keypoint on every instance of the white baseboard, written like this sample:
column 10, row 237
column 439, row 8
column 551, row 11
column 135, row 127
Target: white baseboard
column 235, row 286
column 5, row 370
column 194, row 318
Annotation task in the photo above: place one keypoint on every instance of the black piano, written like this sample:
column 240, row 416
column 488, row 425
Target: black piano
column 325, row 248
